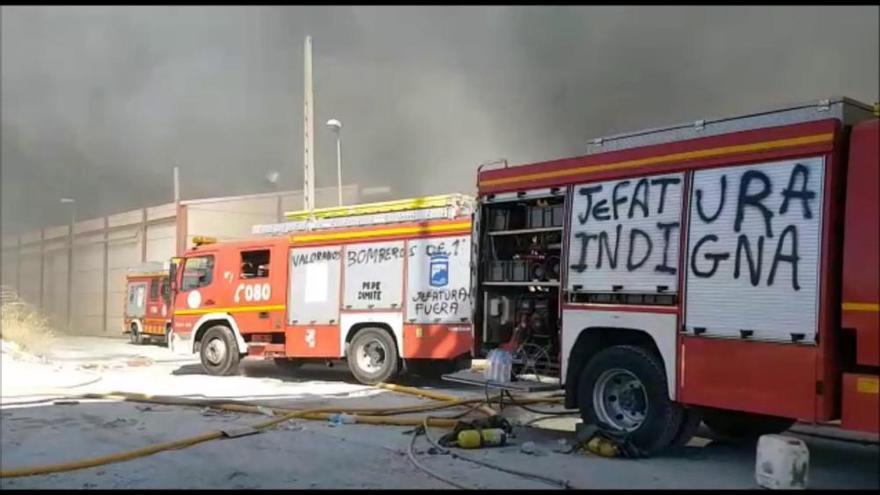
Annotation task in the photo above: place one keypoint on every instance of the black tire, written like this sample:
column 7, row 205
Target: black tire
column 384, row 349
column 223, row 359
column 134, row 336
column 690, row 423
column 742, row 425
column 288, row 364
column 661, row 419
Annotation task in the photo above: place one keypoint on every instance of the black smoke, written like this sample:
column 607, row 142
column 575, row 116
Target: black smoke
column 99, row 102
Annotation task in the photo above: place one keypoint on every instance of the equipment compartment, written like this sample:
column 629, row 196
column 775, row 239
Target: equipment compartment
column 518, row 296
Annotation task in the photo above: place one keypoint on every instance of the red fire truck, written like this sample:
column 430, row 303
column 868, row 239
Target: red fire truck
column 723, row 270
column 147, row 305
column 383, row 285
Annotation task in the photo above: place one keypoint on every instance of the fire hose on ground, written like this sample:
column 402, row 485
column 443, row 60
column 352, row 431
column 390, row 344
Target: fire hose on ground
column 372, row 416
column 423, row 429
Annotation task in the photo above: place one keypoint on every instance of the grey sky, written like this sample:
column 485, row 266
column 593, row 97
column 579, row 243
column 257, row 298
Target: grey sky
column 99, row 102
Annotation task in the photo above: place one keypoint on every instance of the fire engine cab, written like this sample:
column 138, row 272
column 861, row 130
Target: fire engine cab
column 724, row 270
column 385, row 286
column 147, row 305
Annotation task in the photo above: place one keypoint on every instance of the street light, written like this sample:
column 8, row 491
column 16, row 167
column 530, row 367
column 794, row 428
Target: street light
column 272, row 178
column 72, row 203
column 336, row 126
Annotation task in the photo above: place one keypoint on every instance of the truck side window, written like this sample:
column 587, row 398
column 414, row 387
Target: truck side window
column 166, row 291
column 136, row 295
column 254, row 264
column 197, row 272
column 154, row 289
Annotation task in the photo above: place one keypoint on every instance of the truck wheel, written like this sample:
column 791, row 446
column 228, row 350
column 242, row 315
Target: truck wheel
column 288, row 364
column 734, row 424
column 134, row 336
column 372, row 357
column 219, row 352
column 168, row 336
column 623, row 389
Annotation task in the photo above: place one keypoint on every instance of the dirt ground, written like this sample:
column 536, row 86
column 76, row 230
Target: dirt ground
column 317, row 454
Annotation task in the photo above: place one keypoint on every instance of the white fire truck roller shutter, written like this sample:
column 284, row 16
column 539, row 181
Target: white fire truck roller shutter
column 438, row 280
column 754, row 251
column 373, row 276
column 625, row 234
column 314, row 285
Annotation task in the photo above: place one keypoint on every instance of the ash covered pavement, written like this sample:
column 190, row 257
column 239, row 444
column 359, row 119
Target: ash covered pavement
column 310, row 453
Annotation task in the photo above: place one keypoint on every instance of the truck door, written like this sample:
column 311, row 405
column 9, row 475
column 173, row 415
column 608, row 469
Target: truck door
column 153, row 321
column 154, row 303
column 195, row 296
column 166, row 299
column 754, row 282
column 313, row 305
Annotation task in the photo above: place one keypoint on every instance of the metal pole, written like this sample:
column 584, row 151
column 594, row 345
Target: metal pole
column 105, row 273
column 176, row 184
column 70, row 264
column 179, row 216
column 18, row 265
column 42, row 267
column 143, row 235
column 308, row 132
column 339, row 165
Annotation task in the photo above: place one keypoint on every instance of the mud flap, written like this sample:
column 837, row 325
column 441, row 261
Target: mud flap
column 179, row 345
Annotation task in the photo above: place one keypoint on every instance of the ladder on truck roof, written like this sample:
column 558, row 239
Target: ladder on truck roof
column 846, row 110
column 446, row 206
column 148, row 269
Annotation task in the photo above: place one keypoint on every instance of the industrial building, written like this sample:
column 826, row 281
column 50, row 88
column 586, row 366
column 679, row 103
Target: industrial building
column 86, row 297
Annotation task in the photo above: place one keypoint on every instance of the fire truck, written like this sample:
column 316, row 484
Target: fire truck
column 147, row 306
column 385, row 286
column 724, row 270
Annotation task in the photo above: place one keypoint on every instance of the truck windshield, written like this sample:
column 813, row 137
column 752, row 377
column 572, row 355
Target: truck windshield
column 198, row 272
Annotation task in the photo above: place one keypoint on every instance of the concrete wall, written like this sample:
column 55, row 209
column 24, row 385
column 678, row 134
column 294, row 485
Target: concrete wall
column 125, row 252
column 103, row 250
column 229, row 219
column 54, row 291
column 106, row 248
column 9, row 261
column 233, row 218
column 324, row 197
column 161, row 236
column 87, row 305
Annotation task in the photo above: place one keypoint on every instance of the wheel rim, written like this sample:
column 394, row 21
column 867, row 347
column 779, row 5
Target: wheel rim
column 215, row 352
column 619, row 399
column 371, row 356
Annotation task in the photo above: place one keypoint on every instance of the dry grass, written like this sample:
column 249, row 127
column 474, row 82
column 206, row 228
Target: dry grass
column 22, row 323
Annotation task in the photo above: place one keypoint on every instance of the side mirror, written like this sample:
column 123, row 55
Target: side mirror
column 172, row 273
